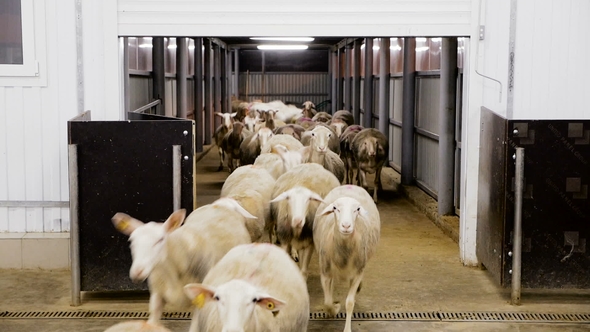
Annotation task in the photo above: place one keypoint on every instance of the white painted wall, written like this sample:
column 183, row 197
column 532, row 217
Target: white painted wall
column 552, row 75
column 33, row 139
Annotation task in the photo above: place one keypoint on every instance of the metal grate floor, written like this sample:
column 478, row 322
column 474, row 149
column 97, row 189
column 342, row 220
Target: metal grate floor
column 359, row 316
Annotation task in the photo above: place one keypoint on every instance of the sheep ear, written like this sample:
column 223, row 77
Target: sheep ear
column 363, row 212
column 199, row 294
column 125, row 224
column 281, row 197
column 270, row 303
column 233, row 115
column 175, row 220
column 317, row 197
column 329, row 209
column 219, row 114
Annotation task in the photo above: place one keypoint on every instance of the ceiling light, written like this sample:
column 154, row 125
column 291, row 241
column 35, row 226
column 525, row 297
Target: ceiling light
column 291, row 39
column 282, row 47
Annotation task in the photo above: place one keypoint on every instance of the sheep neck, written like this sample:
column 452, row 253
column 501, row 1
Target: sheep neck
column 317, row 157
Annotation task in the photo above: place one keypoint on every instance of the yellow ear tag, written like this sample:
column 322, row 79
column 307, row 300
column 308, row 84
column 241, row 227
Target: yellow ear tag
column 122, row 225
column 270, row 306
column 199, row 301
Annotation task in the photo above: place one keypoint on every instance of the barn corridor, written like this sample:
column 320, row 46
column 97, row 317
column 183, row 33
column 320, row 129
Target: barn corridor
column 416, row 272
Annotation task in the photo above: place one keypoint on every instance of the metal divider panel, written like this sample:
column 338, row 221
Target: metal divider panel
column 125, row 166
column 491, row 193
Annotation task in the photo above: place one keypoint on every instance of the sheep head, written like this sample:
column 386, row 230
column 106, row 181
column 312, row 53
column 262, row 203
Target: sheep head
column 299, row 200
column 320, row 139
column 346, row 210
column 236, row 301
column 147, row 241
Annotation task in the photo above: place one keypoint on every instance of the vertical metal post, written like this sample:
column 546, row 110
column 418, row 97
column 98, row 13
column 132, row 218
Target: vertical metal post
column 236, row 73
column 368, row 115
column 446, row 140
column 348, row 77
column 198, row 95
column 409, row 86
column 181, row 71
column 159, row 74
column 176, row 177
column 340, row 86
column 222, row 80
column 517, row 234
column 334, row 91
column 356, row 81
column 228, row 85
column 126, row 87
column 384, row 81
column 208, row 82
column 74, row 222
column 216, row 84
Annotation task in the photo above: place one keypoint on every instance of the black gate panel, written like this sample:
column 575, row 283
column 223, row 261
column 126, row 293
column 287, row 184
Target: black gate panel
column 556, row 206
column 125, row 166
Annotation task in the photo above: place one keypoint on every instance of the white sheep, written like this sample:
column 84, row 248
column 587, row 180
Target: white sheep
column 255, row 287
column 252, row 188
column 285, row 113
column 319, row 153
column 171, row 256
column 333, row 140
column 346, row 231
column 251, row 145
column 288, row 141
column 231, row 144
column 296, row 196
column 136, row 326
column 218, row 136
column 278, row 161
column 370, row 149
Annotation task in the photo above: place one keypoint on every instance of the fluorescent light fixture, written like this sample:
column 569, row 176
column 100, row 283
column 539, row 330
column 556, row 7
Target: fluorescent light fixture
column 291, row 39
column 282, row 47
column 395, row 48
column 422, row 48
column 421, row 39
column 145, row 45
column 172, row 47
column 436, row 39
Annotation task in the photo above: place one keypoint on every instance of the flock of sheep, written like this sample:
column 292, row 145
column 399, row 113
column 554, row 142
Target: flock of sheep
column 289, row 194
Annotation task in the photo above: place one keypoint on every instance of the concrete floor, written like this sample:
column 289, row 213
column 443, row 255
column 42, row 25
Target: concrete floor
column 416, row 269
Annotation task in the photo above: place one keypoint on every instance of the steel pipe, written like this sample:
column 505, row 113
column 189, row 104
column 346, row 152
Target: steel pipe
column 384, row 81
column 159, row 74
column 368, row 93
column 176, row 177
column 517, row 233
column 356, row 81
column 208, row 82
column 74, row 222
column 181, row 71
column 409, row 86
column 198, row 94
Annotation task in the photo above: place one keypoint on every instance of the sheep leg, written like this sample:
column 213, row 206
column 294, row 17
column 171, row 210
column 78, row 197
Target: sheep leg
column 354, row 286
column 349, row 171
column 377, row 184
column 306, row 254
column 328, row 287
column 363, row 179
column 221, row 157
column 156, row 308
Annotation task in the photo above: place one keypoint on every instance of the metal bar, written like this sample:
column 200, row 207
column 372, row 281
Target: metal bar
column 368, row 92
column 176, row 177
column 425, row 133
column 74, row 221
column 331, row 85
column 517, row 234
column 147, row 106
column 340, row 82
column 126, row 86
column 222, row 81
column 446, row 140
column 428, row 73
column 409, row 86
column 236, row 72
column 356, row 78
column 181, row 71
column 425, row 188
column 348, row 77
column 208, row 80
column 395, row 122
column 288, row 94
column 216, row 84
column 159, row 74
column 35, row 204
column 198, row 95
column 384, row 67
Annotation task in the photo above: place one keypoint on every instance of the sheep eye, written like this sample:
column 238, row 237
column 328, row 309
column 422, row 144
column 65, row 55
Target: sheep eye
column 312, row 134
column 334, row 208
column 216, row 298
column 358, row 209
column 255, row 300
column 329, row 135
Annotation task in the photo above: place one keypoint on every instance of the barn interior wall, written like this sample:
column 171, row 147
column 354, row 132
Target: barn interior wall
column 33, row 147
column 551, row 67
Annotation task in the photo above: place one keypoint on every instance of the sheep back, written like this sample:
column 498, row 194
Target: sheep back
column 290, row 142
column 272, row 271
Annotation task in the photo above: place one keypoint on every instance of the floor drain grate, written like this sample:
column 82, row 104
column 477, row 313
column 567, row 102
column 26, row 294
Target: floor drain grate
column 359, row 316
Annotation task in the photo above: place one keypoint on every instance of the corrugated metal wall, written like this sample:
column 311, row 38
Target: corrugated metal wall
column 293, row 87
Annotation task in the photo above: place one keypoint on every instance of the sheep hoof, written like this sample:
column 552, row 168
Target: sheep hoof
column 333, row 309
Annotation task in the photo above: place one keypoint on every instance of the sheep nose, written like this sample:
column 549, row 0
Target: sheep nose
column 137, row 276
column 322, row 148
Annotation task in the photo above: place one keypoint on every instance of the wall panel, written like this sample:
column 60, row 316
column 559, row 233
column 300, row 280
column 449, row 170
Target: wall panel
column 306, row 17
